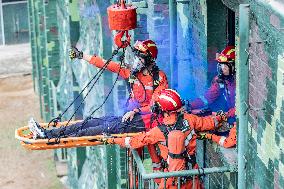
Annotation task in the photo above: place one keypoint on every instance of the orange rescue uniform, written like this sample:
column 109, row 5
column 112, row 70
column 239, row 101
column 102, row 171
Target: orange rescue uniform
column 156, row 136
column 231, row 139
column 227, row 142
column 143, row 96
column 143, row 92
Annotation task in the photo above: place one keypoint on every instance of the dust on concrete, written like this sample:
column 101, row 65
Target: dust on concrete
column 21, row 168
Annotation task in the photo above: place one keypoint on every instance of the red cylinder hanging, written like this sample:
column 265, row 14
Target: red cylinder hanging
column 122, row 16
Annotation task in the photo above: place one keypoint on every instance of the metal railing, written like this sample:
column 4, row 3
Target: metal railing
column 143, row 180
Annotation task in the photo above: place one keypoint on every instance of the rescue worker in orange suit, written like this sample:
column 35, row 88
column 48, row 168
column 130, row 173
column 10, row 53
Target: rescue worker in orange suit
column 228, row 141
column 222, row 92
column 175, row 137
column 145, row 77
column 146, row 80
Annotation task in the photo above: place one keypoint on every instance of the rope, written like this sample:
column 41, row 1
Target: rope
column 82, row 101
column 90, row 116
column 58, row 118
column 61, row 134
column 97, row 76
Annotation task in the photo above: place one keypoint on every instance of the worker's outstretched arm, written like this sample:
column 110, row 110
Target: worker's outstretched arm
column 143, row 139
column 112, row 66
column 226, row 142
column 207, row 123
column 99, row 62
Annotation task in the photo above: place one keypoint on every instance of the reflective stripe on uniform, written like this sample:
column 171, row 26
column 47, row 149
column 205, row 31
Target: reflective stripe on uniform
column 189, row 137
column 168, row 159
column 148, row 87
column 163, row 143
column 204, row 100
column 127, row 142
column 156, row 165
column 222, row 140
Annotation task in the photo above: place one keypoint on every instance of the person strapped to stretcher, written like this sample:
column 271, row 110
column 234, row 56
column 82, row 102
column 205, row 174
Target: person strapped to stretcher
column 96, row 126
column 108, row 125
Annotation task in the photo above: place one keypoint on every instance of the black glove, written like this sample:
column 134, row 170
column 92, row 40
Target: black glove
column 106, row 141
column 221, row 117
column 75, row 53
column 204, row 136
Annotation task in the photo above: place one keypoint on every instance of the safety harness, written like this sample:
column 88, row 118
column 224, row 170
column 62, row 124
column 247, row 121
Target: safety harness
column 183, row 126
column 156, row 81
column 190, row 160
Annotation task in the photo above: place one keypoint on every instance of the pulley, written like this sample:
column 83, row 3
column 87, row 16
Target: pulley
column 122, row 17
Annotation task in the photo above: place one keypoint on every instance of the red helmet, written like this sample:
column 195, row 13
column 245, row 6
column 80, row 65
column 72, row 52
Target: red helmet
column 169, row 100
column 148, row 47
column 227, row 55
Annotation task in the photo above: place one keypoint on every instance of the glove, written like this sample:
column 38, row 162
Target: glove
column 203, row 136
column 106, row 141
column 221, row 116
column 75, row 53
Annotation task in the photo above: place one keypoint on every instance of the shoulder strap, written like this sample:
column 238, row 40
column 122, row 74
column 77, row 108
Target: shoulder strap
column 129, row 86
column 152, row 119
column 182, row 124
column 165, row 132
column 156, row 77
